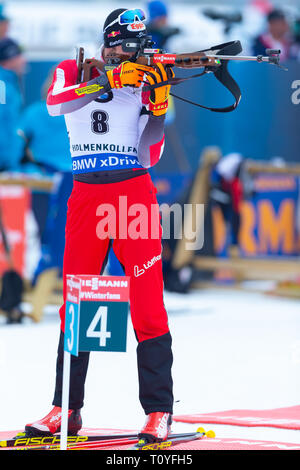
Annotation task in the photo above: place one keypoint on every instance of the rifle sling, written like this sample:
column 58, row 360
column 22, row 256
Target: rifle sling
column 220, row 72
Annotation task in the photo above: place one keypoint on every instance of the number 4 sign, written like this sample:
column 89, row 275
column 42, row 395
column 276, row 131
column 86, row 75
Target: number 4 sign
column 95, row 320
column 96, row 313
column 102, row 334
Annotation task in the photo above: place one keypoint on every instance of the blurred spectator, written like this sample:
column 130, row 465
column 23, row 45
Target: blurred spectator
column 295, row 49
column 227, row 191
column 4, row 23
column 277, row 36
column 158, row 25
column 296, row 30
column 46, row 151
column 12, row 68
column 45, row 141
column 262, row 7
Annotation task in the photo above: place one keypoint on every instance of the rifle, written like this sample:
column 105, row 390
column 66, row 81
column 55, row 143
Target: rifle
column 213, row 60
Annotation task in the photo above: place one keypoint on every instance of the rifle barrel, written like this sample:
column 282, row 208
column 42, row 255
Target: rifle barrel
column 241, row 57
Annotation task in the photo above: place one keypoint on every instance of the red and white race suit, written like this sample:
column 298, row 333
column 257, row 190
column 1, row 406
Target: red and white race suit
column 113, row 140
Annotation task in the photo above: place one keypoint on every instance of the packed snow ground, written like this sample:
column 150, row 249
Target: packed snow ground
column 232, row 350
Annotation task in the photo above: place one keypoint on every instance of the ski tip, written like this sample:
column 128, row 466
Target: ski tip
column 201, row 431
column 209, row 434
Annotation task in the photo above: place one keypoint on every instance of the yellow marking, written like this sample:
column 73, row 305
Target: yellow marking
column 202, row 430
column 156, row 445
column 88, row 89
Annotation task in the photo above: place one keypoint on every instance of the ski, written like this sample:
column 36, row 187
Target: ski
column 172, row 440
column 22, row 442
column 77, row 446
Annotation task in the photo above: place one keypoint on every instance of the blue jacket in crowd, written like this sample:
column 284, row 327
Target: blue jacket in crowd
column 47, row 137
column 10, row 109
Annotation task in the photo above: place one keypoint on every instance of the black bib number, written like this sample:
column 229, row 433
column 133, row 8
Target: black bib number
column 100, row 122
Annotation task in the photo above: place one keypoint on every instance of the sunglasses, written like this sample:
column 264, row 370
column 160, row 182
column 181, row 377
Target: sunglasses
column 128, row 17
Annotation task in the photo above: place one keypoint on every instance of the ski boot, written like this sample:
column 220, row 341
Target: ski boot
column 156, row 428
column 51, row 424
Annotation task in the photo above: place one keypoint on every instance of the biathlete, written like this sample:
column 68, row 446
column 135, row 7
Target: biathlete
column 116, row 133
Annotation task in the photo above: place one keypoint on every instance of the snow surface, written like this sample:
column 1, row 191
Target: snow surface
column 232, row 350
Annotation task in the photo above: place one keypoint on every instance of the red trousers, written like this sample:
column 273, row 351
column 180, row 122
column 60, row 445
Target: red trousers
column 126, row 212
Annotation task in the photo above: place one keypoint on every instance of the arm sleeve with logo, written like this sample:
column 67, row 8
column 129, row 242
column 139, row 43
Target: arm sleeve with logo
column 65, row 96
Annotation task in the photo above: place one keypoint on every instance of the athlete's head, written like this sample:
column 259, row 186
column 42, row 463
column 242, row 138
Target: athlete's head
column 122, row 24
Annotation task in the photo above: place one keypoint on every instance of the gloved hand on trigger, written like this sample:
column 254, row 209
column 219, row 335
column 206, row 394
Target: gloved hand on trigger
column 159, row 96
column 127, row 74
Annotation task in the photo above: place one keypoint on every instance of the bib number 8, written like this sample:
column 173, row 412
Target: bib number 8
column 102, row 333
column 99, row 122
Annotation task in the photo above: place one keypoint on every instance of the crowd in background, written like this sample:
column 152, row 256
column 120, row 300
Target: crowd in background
column 26, row 132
